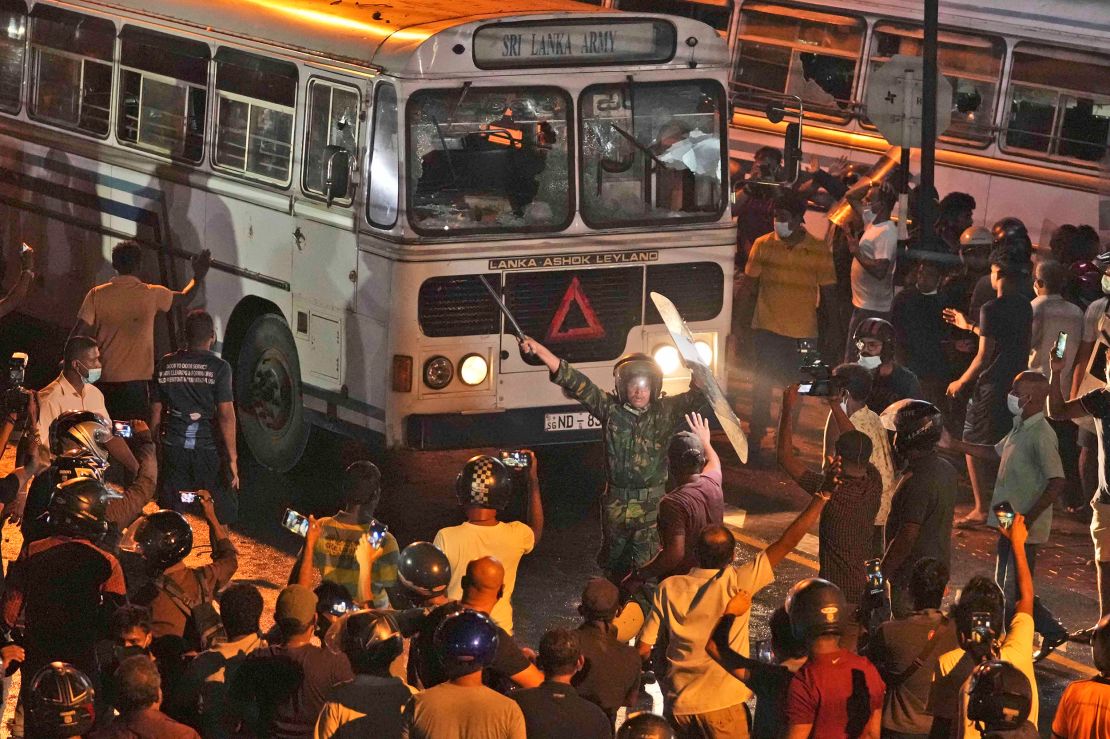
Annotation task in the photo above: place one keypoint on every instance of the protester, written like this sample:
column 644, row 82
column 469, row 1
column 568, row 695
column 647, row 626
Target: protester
column 955, row 214
column 700, row 695
column 424, row 573
column 371, row 704
column 695, row 503
column 610, row 675
column 906, row 650
column 138, row 699
column 554, row 710
column 279, row 690
column 755, row 203
column 483, row 488
column 874, row 255
column 836, row 692
column 1030, row 478
column 465, row 643
column 120, row 315
column 788, row 272
column 1084, row 708
column 332, row 543
column 637, row 425
column 920, row 332
column 920, row 522
column 998, row 703
column 58, row 702
column 194, row 391
column 890, row 382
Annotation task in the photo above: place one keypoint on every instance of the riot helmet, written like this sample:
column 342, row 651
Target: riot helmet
column 816, row 608
column 999, row 696
column 484, row 482
column 59, row 702
column 976, row 236
column 424, row 569
column 637, row 367
column 81, row 433
column 162, row 539
column 644, row 725
column 917, row 425
column 78, row 507
column 465, row 642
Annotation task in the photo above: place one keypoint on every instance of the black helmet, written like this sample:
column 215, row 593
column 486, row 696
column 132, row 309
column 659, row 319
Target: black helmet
column 644, row 725
column 466, row 641
column 917, row 424
column 59, row 702
column 370, row 639
column 999, row 696
column 81, row 433
column 78, row 508
column 631, row 366
column 816, row 608
column 424, row 569
column 876, row 328
column 162, row 538
column 78, row 464
column 484, row 482
column 1008, row 228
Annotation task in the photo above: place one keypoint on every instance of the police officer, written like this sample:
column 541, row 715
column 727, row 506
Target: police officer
column 637, row 426
column 59, row 702
column 644, row 725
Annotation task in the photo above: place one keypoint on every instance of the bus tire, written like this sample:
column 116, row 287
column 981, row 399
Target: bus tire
column 268, row 394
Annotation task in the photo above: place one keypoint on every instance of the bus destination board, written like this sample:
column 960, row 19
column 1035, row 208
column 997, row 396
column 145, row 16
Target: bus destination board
column 555, row 44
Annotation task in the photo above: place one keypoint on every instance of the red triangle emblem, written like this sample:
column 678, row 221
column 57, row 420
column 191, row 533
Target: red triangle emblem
column 593, row 328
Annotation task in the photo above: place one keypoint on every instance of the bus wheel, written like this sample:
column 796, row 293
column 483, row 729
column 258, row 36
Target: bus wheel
column 268, row 394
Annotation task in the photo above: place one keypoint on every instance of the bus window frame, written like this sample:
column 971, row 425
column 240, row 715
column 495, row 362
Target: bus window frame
column 332, row 83
column 851, row 113
column 146, row 148
column 371, row 140
column 992, row 127
column 17, row 6
column 1054, row 137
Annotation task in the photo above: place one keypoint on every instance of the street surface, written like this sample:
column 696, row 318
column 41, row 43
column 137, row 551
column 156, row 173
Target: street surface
column 419, row 499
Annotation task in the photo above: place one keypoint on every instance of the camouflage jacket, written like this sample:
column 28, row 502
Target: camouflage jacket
column 635, row 442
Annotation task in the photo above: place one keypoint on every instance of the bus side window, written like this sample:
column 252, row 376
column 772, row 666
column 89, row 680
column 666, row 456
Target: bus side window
column 382, row 195
column 1059, row 103
column 332, row 121
column 72, row 58
column 256, row 98
column 972, row 64
column 13, row 46
column 163, row 93
column 790, row 51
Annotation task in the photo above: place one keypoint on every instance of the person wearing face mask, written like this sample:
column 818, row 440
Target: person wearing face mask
column 873, row 258
column 1030, row 478
column 890, row 381
column 920, row 331
column 788, row 273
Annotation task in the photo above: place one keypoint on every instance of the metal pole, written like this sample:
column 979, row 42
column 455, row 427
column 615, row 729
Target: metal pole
column 926, row 202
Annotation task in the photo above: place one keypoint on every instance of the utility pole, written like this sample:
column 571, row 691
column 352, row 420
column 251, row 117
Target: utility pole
column 927, row 195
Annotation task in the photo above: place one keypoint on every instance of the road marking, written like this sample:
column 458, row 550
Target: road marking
column 1066, row 662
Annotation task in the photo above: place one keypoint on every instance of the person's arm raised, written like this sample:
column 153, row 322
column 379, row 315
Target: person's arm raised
column 1017, row 534
column 777, row 551
column 1058, row 408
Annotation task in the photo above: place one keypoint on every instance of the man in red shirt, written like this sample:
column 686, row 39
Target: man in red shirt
column 836, row 693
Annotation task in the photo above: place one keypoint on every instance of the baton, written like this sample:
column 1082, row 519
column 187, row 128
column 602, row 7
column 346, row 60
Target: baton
column 528, row 357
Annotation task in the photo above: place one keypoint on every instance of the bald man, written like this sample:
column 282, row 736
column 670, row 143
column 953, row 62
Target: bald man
column 482, row 586
column 1030, row 478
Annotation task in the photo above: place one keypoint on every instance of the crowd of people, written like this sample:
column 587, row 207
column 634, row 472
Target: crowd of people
column 977, row 348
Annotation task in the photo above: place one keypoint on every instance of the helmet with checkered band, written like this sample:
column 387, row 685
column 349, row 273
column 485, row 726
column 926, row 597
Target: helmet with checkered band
column 635, row 367
column 484, row 482
column 81, row 433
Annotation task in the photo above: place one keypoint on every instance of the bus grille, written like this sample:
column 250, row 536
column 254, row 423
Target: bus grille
column 697, row 290
column 457, row 306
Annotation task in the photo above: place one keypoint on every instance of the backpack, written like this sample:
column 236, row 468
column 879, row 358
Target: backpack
column 203, row 618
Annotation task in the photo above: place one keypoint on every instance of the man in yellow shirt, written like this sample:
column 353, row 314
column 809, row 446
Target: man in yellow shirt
column 787, row 274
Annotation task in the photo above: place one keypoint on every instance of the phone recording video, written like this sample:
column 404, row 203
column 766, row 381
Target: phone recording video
column 122, row 429
column 516, row 460
column 376, row 534
column 295, row 522
column 1061, row 345
column 188, row 496
column 1005, row 513
column 874, row 576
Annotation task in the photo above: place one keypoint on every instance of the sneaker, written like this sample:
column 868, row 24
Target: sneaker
column 1049, row 644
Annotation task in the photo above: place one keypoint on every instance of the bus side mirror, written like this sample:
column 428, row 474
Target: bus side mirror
column 792, row 151
column 337, row 176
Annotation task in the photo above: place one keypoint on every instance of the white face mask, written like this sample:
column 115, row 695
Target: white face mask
column 1013, row 402
column 868, row 216
column 1106, row 284
column 934, row 292
column 870, row 363
column 93, row 376
column 783, row 230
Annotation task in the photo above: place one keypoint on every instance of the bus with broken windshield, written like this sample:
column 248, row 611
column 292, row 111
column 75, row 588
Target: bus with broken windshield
column 357, row 170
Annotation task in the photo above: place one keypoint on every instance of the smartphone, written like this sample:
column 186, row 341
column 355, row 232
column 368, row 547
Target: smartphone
column 377, row 533
column 516, row 460
column 122, row 429
column 805, row 389
column 188, row 496
column 1061, row 344
column 981, row 631
column 874, row 576
column 1005, row 513
column 23, row 249
column 295, row 522
column 763, row 651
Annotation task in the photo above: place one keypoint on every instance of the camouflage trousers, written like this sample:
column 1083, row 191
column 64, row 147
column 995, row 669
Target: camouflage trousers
column 628, row 525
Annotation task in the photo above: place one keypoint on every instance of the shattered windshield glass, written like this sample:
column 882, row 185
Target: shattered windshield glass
column 489, row 160
column 651, row 152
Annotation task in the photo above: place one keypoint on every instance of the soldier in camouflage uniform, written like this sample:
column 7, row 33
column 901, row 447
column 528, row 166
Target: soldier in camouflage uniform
column 637, row 426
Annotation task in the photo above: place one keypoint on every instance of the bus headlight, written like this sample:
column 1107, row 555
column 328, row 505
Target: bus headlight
column 666, row 356
column 473, row 369
column 438, row 372
column 705, row 351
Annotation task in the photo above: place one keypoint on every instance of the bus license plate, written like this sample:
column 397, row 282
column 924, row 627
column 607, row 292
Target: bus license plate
column 576, row 421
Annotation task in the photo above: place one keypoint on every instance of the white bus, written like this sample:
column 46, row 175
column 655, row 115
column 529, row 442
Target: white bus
column 1031, row 83
column 355, row 169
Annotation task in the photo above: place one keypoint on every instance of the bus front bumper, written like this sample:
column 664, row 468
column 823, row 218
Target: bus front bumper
column 509, row 429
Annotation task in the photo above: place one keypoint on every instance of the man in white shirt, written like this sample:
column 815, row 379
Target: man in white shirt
column 483, row 488
column 701, row 696
column 873, row 258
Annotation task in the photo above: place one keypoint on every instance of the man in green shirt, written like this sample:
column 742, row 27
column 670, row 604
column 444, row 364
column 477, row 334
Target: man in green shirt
column 637, row 426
